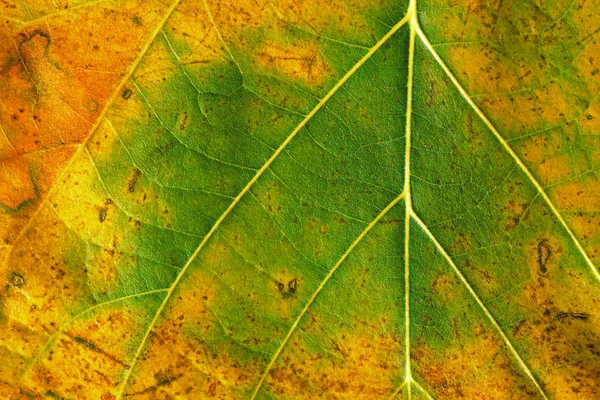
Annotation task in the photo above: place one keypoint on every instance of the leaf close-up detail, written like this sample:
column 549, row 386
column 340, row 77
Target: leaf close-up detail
column 340, row 199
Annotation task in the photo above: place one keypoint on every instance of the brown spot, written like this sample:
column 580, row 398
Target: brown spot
column 133, row 180
column 300, row 61
column 212, row 388
column 161, row 380
column 478, row 364
column 16, row 279
column 102, row 214
column 544, row 252
column 126, row 94
column 97, row 349
column 291, row 290
column 575, row 315
column 358, row 365
column 183, row 121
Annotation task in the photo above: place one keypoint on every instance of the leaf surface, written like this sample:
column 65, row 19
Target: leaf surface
column 291, row 200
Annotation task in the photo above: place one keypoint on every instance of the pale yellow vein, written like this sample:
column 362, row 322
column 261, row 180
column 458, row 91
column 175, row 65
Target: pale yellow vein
column 245, row 190
column 412, row 14
column 320, row 288
column 485, row 310
column 509, row 150
column 65, row 171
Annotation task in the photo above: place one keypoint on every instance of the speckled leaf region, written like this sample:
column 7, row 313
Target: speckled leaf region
column 295, row 200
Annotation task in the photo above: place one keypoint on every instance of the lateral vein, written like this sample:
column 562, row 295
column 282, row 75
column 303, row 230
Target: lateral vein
column 98, row 121
column 510, row 151
column 246, row 188
column 320, row 288
column 481, row 304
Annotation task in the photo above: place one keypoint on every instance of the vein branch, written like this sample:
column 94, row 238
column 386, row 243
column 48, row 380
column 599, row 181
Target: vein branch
column 510, row 151
column 61, row 176
column 320, row 288
column 422, row 390
column 68, row 323
column 245, row 190
column 480, row 303
column 412, row 14
column 397, row 391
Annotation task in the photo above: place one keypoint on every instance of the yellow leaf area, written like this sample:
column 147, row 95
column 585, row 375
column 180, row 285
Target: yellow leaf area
column 348, row 199
column 537, row 77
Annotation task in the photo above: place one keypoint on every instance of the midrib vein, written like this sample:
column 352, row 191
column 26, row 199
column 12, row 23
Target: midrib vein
column 245, row 190
column 509, row 150
column 411, row 17
column 412, row 12
column 65, row 171
column 485, row 310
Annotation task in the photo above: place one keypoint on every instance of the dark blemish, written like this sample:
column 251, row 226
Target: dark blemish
column 34, row 34
column 133, row 180
column 16, row 279
column 28, row 394
column 339, row 349
column 575, row 315
column 86, row 343
column 161, row 380
column 544, row 252
column 92, row 106
column 126, row 94
column 487, row 276
column 136, row 20
column 432, row 94
column 589, row 117
column 518, row 327
column 108, row 201
column 97, row 349
column 547, row 313
column 291, row 290
column 183, row 121
column 197, row 61
column 53, row 395
column 292, row 286
column 102, row 214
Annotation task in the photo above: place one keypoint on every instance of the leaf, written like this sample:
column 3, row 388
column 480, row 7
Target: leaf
column 280, row 200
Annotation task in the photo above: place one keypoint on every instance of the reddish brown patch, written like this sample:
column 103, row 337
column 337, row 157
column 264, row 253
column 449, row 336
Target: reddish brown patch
column 55, row 81
column 481, row 369
column 16, row 186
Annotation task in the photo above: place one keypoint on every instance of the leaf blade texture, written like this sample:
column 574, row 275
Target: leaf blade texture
column 289, row 200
